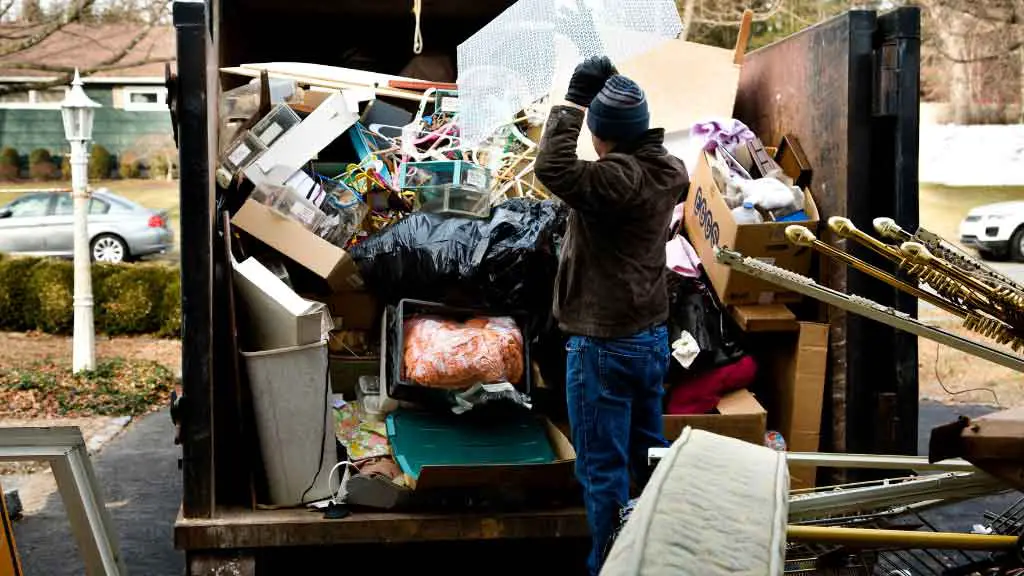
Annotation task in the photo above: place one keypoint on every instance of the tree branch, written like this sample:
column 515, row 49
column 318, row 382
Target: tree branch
column 994, row 56
column 49, row 29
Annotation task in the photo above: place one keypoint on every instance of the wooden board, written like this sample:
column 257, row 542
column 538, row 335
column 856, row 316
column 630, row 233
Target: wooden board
column 237, row 528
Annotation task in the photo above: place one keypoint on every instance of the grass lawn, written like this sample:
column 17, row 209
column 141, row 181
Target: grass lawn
column 154, row 194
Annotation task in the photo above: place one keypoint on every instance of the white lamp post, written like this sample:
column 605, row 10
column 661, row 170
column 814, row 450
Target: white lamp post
column 78, row 110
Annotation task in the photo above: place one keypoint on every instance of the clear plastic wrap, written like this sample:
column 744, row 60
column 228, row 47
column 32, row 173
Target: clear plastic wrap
column 442, row 353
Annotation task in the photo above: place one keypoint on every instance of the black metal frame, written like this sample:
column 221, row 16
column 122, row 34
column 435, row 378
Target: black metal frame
column 848, row 89
column 197, row 194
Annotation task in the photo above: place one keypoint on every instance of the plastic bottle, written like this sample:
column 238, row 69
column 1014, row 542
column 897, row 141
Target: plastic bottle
column 746, row 214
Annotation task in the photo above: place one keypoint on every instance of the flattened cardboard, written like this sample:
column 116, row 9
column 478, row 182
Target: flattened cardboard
column 684, row 83
column 293, row 240
column 767, row 318
column 739, row 416
column 797, row 364
column 709, row 223
column 556, row 475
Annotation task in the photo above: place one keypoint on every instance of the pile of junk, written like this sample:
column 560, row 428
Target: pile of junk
column 393, row 262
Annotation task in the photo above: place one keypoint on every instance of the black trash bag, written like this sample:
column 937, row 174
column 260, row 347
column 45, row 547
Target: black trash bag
column 506, row 263
column 695, row 309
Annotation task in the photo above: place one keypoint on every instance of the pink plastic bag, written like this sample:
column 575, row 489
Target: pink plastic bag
column 442, row 353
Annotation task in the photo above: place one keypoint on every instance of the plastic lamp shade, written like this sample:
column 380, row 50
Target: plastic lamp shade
column 78, row 111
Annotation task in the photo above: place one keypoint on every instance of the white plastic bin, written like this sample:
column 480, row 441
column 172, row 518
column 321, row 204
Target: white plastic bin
column 290, row 388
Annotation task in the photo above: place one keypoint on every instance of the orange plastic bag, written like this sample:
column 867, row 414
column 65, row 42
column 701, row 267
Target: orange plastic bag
column 442, row 353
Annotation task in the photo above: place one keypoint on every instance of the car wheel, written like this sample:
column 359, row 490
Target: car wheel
column 110, row 249
column 1017, row 245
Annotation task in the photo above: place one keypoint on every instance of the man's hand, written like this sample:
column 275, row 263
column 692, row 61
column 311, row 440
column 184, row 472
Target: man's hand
column 588, row 79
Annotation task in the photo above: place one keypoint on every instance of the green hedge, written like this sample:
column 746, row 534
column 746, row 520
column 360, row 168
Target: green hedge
column 38, row 294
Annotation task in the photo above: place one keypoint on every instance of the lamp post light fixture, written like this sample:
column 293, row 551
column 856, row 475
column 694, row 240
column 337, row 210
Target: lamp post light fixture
column 78, row 111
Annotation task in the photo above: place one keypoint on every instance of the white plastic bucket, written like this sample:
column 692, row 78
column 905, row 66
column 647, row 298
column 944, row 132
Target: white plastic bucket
column 290, row 388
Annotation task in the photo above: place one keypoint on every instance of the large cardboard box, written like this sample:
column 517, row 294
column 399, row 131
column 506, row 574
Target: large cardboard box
column 794, row 366
column 739, row 416
column 357, row 309
column 709, row 224
column 293, row 240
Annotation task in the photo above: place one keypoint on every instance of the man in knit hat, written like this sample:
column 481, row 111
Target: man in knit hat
column 611, row 296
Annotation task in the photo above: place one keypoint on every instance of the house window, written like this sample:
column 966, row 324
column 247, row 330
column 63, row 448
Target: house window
column 47, row 99
column 145, row 98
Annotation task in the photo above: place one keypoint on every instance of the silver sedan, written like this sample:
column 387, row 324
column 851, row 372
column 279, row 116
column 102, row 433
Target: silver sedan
column 42, row 224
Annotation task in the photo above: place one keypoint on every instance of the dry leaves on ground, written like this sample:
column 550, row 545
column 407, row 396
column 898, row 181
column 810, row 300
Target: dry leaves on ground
column 132, row 377
column 954, row 377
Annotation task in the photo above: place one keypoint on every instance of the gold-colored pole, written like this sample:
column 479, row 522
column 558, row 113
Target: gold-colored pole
column 801, row 236
column 875, row 538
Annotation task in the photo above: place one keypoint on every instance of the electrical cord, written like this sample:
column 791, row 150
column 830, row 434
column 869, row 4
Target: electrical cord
column 938, row 379
column 323, row 421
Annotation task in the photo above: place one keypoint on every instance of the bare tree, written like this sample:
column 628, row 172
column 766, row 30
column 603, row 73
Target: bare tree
column 16, row 41
column 979, row 46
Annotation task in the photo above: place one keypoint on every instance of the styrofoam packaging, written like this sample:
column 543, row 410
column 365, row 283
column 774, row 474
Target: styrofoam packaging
column 291, row 401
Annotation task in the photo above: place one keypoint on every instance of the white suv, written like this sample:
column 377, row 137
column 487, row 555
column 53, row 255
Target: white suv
column 996, row 231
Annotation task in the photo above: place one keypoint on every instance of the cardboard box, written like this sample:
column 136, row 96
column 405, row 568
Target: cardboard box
column 277, row 316
column 357, row 309
column 556, row 475
column 739, row 416
column 293, row 240
column 709, row 224
column 768, row 318
column 796, row 365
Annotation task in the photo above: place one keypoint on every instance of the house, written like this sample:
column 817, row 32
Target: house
column 134, row 118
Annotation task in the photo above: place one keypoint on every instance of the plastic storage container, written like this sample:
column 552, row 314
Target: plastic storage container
column 242, row 152
column 280, row 120
column 393, row 349
column 747, row 214
column 291, row 402
column 448, row 187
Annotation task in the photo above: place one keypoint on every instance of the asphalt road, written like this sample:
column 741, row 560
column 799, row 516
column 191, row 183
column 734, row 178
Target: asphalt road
column 142, row 487
column 141, row 483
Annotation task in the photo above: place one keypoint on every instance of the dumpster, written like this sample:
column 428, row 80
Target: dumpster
column 847, row 88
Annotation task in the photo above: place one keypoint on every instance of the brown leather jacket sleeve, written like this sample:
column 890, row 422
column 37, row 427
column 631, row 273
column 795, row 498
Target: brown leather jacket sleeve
column 585, row 186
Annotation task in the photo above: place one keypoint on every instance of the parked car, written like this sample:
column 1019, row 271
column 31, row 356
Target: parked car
column 42, row 224
column 996, row 231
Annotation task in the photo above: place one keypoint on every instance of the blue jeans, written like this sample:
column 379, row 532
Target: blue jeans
column 614, row 390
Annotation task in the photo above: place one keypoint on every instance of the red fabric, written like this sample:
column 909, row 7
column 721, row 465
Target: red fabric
column 700, row 393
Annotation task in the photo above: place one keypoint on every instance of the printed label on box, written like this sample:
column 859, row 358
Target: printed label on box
column 449, row 104
column 705, row 219
column 476, row 179
column 271, row 133
column 302, row 213
column 238, row 155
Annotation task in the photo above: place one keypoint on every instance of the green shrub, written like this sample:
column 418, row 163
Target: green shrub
column 41, row 165
column 100, row 162
column 129, row 166
column 131, row 300
column 171, row 308
column 15, row 274
column 38, row 294
column 158, row 166
column 49, row 303
column 10, row 165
